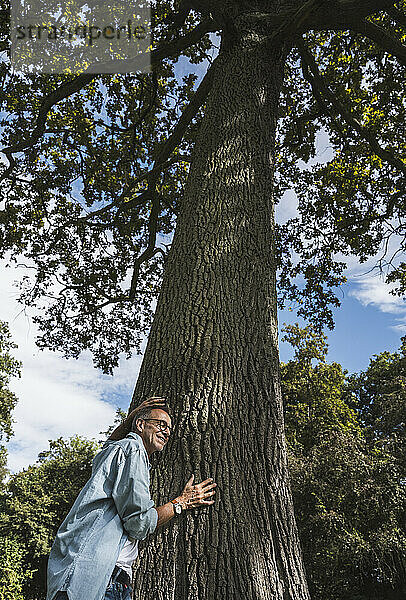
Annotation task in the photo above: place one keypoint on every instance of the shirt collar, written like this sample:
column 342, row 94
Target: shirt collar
column 137, row 438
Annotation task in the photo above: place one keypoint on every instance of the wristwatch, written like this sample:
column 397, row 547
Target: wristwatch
column 177, row 508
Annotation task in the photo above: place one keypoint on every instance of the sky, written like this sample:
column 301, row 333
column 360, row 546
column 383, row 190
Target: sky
column 370, row 319
column 59, row 397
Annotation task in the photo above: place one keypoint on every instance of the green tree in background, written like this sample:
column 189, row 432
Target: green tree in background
column 9, row 368
column 313, row 394
column 379, row 395
column 14, row 575
column 13, row 572
column 37, row 500
column 348, row 480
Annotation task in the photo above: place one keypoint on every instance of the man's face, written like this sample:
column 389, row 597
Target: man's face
column 150, row 430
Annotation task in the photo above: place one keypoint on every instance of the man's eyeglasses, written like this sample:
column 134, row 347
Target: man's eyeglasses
column 162, row 425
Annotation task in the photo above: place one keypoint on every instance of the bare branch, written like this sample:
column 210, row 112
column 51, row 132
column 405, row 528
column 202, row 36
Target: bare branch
column 319, row 84
column 173, row 141
column 150, row 249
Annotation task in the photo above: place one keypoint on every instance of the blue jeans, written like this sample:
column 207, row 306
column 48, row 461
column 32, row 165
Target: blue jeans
column 115, row 591
column 118, row 591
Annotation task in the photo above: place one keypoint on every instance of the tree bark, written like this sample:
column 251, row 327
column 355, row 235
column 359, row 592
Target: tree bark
column 213, row 352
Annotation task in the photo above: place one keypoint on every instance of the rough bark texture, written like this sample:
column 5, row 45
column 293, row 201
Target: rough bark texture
column 213, row 352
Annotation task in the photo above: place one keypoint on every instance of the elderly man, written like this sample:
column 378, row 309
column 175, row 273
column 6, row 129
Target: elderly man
column 97, row 543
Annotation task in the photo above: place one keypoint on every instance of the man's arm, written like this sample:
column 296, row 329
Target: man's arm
column 130, row 491
column 193, row 496
column 124, row 428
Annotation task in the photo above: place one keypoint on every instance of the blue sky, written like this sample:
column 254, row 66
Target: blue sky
column 360, row 332
column 370, row 319
column 59, row 397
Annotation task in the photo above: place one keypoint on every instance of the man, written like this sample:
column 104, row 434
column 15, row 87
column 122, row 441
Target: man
column 96, row 544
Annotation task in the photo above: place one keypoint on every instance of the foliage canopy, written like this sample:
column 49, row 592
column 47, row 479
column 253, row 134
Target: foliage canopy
column 92, row 189
column 348, row 471
column 9, row 368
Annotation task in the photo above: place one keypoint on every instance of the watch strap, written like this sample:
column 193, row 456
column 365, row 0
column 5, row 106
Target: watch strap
column 176, row 510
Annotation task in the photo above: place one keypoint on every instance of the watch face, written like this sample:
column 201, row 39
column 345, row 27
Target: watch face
column 178, row 509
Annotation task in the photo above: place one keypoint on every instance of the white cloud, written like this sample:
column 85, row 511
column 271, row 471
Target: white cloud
column 369, row 286
column 49, row 410
column 57, row 397
column 373, row 291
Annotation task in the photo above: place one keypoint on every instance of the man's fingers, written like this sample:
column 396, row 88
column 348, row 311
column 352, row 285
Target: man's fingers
column 209, row 487
column 190, row 482
column 208, row 502
column 153, row 402
column 199, row 498
column 205, row 482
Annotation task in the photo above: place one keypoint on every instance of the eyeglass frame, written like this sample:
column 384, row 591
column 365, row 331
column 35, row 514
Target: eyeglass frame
column 167, row 427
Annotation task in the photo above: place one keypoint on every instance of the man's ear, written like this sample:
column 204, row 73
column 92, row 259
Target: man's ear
column 139, row 425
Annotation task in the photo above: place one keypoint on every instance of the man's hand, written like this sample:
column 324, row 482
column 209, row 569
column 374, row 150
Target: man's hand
column 153, row 402
column 197, row 496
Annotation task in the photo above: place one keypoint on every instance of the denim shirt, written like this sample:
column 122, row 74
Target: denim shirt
column 115, row 503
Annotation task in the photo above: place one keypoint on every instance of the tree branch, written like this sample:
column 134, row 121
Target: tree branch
column 362, row 8
column 173, row 141
column 297, row 23
column 397, row 15
column 179, row 18
column 334, row 14
column 321, row 15
column 166, row 50
column 188, row 114
column 316, row 80
column 67, row 89
column 94, row 309
column 150, row 249
column 381, row 37
column 64, row 91
column 162, row 160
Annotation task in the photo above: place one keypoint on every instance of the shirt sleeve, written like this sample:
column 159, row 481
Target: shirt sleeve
column 131, row 495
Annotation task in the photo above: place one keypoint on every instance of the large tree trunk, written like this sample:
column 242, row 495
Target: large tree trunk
column 213, row 352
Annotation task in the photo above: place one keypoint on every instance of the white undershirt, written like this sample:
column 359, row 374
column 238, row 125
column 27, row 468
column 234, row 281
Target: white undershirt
column 128, row 555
